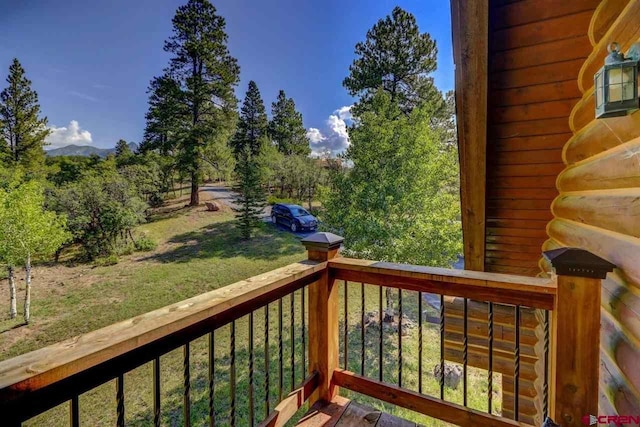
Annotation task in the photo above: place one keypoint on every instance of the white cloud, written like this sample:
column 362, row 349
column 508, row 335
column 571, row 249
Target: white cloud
column 335, row 138
column 84, row 96
column 72, row 134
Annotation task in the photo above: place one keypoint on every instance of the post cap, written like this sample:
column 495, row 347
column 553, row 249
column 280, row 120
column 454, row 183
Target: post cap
column 578, row 262
column 322, row 242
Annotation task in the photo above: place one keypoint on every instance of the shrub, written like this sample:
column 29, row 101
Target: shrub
column 272, row 200
column 145, row 244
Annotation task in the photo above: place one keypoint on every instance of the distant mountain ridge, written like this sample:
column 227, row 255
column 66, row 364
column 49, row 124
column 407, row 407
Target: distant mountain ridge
column 85, row 150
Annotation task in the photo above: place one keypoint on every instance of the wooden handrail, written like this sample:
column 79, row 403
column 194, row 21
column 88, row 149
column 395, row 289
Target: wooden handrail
column 531, row 292
column 174, row 325
column 427, row 405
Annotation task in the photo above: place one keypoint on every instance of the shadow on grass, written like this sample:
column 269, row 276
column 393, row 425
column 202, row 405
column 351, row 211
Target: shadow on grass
column 223, row 240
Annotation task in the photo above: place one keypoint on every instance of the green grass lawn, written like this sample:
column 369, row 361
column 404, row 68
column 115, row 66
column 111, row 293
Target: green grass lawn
column 197, row 252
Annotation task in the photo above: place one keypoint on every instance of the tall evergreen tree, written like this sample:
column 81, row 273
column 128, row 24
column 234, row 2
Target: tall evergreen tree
column 123, row 149
column 22, row 130
column 252, row 126
column 250, row 195
column 398, row 58
column 193, row 103
column 286, row 128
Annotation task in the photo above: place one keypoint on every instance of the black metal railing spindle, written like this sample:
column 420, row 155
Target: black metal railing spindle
column 186, row 410
column 465, row 351
column 490, row 351
column 292, row 338
column 399, row 337
column 232, row 373
column 362, row 331
column 266, row 361
column 516, row 370
column 251, row 361
column 420, row 316
column 380, row 343
column 120, row 400
column 442, row 320
column 74, row 412
column 303, row 318
column 280, row 352
column 156, row 392
column 346, row 326
column 212, row 376
column 545, row 397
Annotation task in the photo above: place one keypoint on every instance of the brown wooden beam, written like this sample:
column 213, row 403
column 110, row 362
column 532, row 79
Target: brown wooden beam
column 427, row 405
column 290, row 404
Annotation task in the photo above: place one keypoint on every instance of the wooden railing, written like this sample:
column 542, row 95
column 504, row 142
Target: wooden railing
column 564, row 375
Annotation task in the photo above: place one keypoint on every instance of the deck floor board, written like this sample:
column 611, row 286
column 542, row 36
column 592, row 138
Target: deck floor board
column 342, row 412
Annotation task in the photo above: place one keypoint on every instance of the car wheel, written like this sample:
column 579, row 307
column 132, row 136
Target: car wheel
column 294, row 227
column 274, row 219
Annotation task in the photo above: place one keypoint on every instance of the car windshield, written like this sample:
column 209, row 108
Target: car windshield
column 299, row 212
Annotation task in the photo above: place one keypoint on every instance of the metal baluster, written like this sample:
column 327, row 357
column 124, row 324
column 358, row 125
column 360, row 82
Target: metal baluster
column 232, row 372
column 399, row 337
column 490, row 375
column 304, row 336
column 156, row 392
column 120, row 400
column 280, row 352
column 381, row 358
column 266, row 361
column 346, row 327
column 420, row 315
column 442, row 347
column 516, row 370
column 251, row 409
column 74, row 413
column 187, row 387
column 292, row 337
column 362, row 332
column 546, row 365
column 212, row 374
column 465, row 351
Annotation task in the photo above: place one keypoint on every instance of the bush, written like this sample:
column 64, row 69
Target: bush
column 145, row 244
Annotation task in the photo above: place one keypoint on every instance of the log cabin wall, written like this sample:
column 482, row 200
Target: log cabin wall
column 536, row 50
column 598, row 208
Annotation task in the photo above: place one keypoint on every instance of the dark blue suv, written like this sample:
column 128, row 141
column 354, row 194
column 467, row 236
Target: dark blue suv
column 293, row 216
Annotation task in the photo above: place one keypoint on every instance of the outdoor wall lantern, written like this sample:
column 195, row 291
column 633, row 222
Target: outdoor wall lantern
column 616, row 84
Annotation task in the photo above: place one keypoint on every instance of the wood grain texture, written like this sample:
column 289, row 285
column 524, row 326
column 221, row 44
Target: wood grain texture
column 624, row 30
column 290, row 404
column 470, row 45
column 601, row 135
column 525, row 12
column 604, row 16
column 615, row 210
column 481, row 286
column 575, row 339
column 436, row 408
column 39, row 368
column 611, row 169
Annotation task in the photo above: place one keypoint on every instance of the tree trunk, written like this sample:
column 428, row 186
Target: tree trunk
column 27, row 292
column 13, row 311
column 195, row 196
column 389, row 313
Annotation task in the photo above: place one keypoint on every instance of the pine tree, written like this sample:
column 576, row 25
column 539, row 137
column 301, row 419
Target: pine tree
column 286, row 128
column 22, row 130
column 193, row 104
column 123, row 149
column 250, row 195
column 252, row 126
column 398, row 58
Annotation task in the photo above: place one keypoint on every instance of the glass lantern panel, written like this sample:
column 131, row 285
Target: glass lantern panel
column 628, row 83
column 614, row 88
column 599, row 91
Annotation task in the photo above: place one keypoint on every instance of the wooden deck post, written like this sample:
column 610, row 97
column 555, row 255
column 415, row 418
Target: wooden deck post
column 323, row 316
column 575, row 335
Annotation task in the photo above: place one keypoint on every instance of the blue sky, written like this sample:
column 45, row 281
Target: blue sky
column 91, row 61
